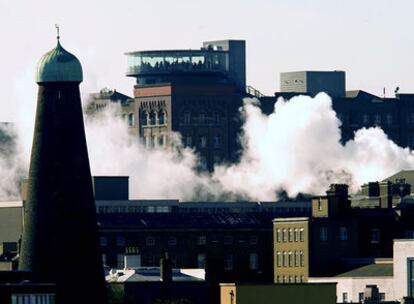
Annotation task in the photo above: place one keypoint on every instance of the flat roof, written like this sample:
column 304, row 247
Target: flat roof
column 10, row 204
column 291, row 219
column 372, row 270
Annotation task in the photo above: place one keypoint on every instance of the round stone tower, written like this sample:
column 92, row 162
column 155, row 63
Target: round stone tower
column 60, row 236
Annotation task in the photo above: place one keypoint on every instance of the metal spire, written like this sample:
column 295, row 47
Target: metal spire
column 57, row 29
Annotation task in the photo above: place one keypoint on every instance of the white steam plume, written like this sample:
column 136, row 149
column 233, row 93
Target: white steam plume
column 297, row 149
column 12, row 163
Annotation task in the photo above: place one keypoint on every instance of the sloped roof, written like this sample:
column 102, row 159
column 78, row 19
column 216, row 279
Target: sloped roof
column 372, row 270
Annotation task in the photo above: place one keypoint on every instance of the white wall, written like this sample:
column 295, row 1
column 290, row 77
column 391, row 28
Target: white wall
column 403, row 250
column 353, row 286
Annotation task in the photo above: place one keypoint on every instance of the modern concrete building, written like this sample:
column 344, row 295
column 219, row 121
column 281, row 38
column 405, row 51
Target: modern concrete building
column 313, row 82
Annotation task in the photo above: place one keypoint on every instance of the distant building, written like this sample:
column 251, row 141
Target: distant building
column 336, row 232
column 313, row 82
column 196, row 93
column 355, row 109
column 245, row 293
column 392, row 277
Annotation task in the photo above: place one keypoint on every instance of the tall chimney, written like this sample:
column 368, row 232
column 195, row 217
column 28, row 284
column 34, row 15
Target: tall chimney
column 60, row 236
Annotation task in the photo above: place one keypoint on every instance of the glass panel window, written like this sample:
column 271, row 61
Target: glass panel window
column 296, row 235
column 278, row 259
column 187, row 117
column 344, row 297
column 284, row 235
column 301, row 234
column 172, row 241
column 202, row 240
column 323, row 233
column 374, row 236
column 131, row 120
column 216, row 141
column 361, row 297
column 343, row 233
column 253, row 240
column 103, row 241
column 290, row 257
column 150, row 241
column 301, row 259
column 203, row 141
column 228, row 262
column 290, row 235
column 120, row 241
column 278, row 235
column 201, row 260
column 120, row 261
column 253, row 261
column 228, row 240
column 284, row 259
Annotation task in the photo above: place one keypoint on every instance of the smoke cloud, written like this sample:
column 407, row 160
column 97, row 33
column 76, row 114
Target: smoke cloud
column 297, row 149
column 12, row 163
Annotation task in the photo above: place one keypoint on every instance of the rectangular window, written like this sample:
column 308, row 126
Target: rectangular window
column 290, row 235
column 301, row 259
column 278, row 235
column 253, row 261
column 120, row 241
column 365, row 119
column 301, row 236
column 253, row 240
column 323, row 233
column 202, row 240
column 120, row 261
column 374, row 236
column 284, row 259
column 103, row 241
column 296, row 235
column 203, row 141
column 343, row 233
column 188, row 141
column 172, row 241
column 228, row 262
column 410, row 273
column 150, row 241
column 290, row 259
column 284, row 235
column 201, row 260
column 216, row 141
column 297, row 262
column 361, row 297
column 228, row 240
column 389, row 119
column 278, row 259
column 382, row 296
column 344, row 297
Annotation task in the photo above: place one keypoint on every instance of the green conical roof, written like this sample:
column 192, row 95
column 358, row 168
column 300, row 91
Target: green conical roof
column 58, row 65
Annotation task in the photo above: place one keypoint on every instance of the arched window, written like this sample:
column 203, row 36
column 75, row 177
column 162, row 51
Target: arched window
column 153, row 118
column 162, row 119
column 144, row 118
column 131, row 119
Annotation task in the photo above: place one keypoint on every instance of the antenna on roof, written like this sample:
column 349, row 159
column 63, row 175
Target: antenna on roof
column 383, row 92
column 57, row 30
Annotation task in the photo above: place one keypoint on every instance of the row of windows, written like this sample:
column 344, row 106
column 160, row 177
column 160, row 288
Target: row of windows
column 155, row 141
column 343, row 233
column 201, row 261
column 290, row 279
column 291, row 235
column 172, row 241
column 290, row 259
column 187, row 117
column 153, row 118
column 361, row 297
column 33, row 299
column 203, row 141
column 366, row 119
column 133, row 209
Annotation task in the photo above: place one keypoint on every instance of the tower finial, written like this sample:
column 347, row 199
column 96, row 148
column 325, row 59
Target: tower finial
column 57, row 30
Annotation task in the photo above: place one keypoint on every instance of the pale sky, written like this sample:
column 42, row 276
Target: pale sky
column 372, row 40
